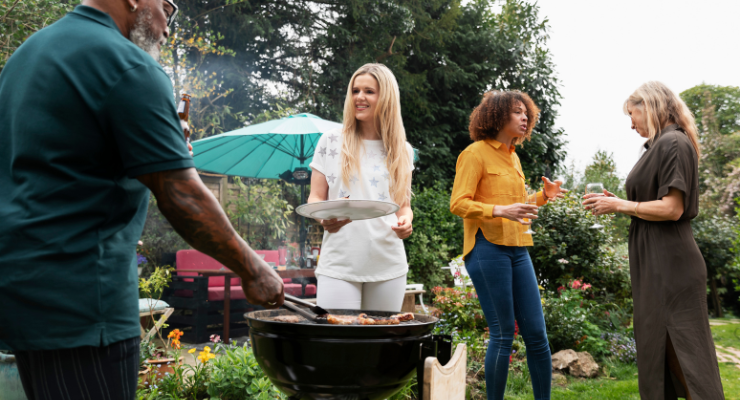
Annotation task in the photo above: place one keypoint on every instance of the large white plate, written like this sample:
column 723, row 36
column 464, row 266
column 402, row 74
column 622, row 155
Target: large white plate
column 347, row 209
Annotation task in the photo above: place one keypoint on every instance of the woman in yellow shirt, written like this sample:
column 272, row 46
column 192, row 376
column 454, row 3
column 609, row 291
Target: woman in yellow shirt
column 488, row 193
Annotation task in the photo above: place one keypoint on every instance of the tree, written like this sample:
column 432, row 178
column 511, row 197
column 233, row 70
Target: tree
column 724, row 103
column 716, row 109
column 715, row 235
column 602, row 169
column 20, row 19
column 184, row 60
column 445, row 56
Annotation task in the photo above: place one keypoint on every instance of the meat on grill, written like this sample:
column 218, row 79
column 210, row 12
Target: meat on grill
column 293, row 319
column 404, row 317
column 363, row 319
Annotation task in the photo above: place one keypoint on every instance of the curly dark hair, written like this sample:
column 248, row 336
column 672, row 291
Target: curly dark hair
column 494, row 112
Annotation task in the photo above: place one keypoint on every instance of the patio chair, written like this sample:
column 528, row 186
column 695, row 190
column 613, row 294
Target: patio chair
column 199, row 301
column 458, row 265
column 149, row 308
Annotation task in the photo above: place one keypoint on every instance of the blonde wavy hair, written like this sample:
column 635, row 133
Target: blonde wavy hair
column 661, row 105
column 390, row 125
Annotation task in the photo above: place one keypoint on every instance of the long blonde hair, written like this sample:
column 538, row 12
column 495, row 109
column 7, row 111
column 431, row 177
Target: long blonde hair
column 662, row 105
column 388, row 120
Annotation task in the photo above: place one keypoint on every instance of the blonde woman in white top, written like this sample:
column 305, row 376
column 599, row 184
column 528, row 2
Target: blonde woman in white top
column 363, row 264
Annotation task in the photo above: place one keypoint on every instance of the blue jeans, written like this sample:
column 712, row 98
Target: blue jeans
column 504, row 279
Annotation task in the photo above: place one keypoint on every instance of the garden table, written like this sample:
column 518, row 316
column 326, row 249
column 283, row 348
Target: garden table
column 228, row 274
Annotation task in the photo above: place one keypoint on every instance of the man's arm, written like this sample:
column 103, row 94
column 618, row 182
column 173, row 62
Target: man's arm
column 196, row 216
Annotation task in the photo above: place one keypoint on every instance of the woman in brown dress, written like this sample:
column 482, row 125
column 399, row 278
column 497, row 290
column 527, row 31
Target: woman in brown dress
column 675, row 350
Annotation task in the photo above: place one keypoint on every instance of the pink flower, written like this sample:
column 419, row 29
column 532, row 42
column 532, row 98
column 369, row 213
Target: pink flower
column 140, row 243
column 586, row 286
column 457, row 274
column 576, row 284
column 215, row 338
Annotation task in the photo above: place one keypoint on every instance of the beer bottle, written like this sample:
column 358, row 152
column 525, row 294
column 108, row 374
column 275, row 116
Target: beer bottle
column 183, row 110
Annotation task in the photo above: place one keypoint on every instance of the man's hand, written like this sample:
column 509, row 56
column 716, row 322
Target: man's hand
column 196, row 216
column 267, row 288
column 186, row 131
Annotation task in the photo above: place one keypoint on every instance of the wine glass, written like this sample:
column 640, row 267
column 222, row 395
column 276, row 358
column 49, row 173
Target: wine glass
column 530, row 199
column 597, row 188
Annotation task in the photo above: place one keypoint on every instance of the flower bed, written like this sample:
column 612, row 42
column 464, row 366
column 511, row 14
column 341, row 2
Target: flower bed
column 227, row 372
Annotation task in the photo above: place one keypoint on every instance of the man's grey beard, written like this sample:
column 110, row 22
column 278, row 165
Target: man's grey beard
column 142, row 34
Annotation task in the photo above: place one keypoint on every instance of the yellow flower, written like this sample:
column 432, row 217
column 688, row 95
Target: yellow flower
column 206, row 355
column 191, row 351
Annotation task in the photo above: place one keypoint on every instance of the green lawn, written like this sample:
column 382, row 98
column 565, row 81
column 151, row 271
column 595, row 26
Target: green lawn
column 622, row 383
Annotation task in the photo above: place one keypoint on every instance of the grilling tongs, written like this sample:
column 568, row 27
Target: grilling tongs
column 317, row 315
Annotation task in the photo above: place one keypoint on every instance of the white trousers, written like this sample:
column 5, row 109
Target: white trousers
column 372, row 296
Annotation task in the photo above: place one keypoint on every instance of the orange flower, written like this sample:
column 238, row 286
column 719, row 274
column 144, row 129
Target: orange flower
column 175, row 334
column 176, row 344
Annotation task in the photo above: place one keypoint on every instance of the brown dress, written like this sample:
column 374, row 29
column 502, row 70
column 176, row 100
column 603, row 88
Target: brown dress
column 669, row 277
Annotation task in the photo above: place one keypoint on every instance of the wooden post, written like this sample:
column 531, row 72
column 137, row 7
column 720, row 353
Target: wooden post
column 446, row 382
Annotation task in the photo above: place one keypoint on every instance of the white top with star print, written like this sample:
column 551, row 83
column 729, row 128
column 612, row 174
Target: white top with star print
column 368, row 250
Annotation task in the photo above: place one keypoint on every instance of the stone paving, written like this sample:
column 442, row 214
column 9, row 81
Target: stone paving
column 727, row 354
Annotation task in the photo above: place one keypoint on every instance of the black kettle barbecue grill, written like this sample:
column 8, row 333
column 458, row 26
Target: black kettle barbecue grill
column 310, row 361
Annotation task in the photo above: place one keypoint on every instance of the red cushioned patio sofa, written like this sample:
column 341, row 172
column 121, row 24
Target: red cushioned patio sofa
column 199, row 300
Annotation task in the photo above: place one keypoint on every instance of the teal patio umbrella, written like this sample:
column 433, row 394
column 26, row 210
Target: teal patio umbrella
column 268, row 150
column 277, row 149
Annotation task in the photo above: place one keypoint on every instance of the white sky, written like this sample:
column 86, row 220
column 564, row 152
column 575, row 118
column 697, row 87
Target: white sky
column 604, row 49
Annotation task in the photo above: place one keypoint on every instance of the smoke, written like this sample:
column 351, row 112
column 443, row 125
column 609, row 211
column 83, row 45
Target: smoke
column 143, row 36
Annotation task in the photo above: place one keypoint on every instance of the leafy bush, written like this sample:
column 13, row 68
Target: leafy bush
column 260, row 211
column 567, row 316
column 236, row 376
column 566, row 248
column 715, row 236
column 233, row 375
column 622, row 348
column 437, row 237
column 458, row 310
column 576, row 319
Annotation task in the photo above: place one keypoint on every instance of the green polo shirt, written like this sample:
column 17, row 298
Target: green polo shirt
column 83, row 112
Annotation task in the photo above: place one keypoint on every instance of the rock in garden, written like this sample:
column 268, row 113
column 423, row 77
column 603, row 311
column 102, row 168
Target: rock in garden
column 559, row 379
column 585, row 367
column 563, row 359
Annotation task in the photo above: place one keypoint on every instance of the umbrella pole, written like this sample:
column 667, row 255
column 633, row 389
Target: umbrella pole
column 302, row 232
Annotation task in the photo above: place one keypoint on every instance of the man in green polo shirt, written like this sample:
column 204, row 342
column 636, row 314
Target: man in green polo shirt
column 87, row 124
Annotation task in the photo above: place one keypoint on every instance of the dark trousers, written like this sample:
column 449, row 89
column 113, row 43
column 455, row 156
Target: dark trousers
column 95, row 373
column 504, row 280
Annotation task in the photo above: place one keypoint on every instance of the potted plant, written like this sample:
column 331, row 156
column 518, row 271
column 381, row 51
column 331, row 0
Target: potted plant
column 162, row 361
column 157, row 362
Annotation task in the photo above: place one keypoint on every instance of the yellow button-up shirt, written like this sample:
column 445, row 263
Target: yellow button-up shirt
column 489, row 174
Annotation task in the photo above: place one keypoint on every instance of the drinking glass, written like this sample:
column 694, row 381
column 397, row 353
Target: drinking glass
column 530, row 199
column 597, row 188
